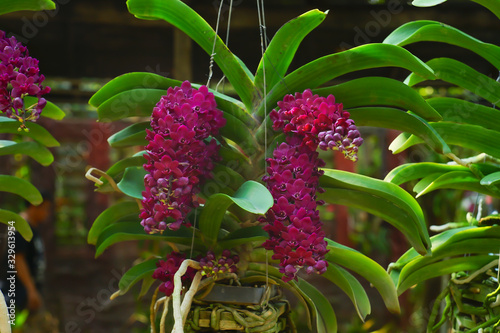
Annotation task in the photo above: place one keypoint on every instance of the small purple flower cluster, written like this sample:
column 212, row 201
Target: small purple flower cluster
column 294, row 226
column 211, row 266
column 178, row 155
column 167, row 269
column 19, row 77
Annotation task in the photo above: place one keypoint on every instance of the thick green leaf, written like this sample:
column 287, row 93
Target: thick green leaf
column 111, row 215
column 20, row 187
column 133, row 135
column 132, row 183
column 183, row 17
column 368, row 269
column 473, row 137
column 33, row 149
column 132, row 231
column 329, row 67
column 17, row 5
column 120, row 166
column 243, row 236
column 36, row 132
column 50, row 110
column 459, row 180
column 432, row 31
column 371, row 91
column 388, row 191
column 324, row 309
column 379, row 206
column 130, row 103
column 136, row 273
column 20, row 223
column 238, row 132
column 491, row 179
column 411, row 171
column 492, row 5
column 282, row 48
column 456, row 72
column 252, row 197
column 401, row 121
column 351, row 286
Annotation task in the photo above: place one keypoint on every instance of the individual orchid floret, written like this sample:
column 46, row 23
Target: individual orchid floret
column 179, row 155
column 166, row 270
column 213, row 266
column 19, row 78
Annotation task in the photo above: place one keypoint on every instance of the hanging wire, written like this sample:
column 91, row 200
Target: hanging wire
column 194, row 230
column 212, row 55
column 223, row 79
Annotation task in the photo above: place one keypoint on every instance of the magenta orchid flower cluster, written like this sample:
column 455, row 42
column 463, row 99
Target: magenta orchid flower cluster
column 294, row 226
column 19, row 77
column 179, row 153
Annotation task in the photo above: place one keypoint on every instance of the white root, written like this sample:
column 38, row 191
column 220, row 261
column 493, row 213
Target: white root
column 4, row 316
column 181, row 311
column 164, row 314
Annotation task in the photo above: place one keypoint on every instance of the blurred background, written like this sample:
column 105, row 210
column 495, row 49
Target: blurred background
column 85, row 43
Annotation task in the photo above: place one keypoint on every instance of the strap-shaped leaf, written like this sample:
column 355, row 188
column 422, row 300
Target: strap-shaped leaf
column 281, row 50
column 120, row 166
column 183, row 17
column 133, row 135
column 33, row 149
column 132, row 183
column 432, row 31
column 243, row 236
column 402, row 121
column 20, row 187
column 136, row 273
column 411, row 171
column 36, row 5
column 492, row 5
column 238, row 132
column 329, row 67
column 20, row 223
column 130, row 103
column 351, row 286
column 456, row 72
column 371, row 91
column 111, row 215
column 50, row 110
column 368, row 269
column 326, row 321
column 491, row 179
column 36, row 132
column 388, row 191
column 132, row 231
column 461, row 111
column 252, row 197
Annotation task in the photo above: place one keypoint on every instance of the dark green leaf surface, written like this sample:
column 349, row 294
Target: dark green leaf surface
column 33, row 149
column 132, row 183
column 111, row 215
column 133, row 135
column 243, row 236
column 130, row 103
column 136, row 273
column 50, row 110
column 20, row 187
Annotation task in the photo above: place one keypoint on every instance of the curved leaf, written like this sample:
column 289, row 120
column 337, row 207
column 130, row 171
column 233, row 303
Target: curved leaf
column 238, row 132
column 371, row 91
column 329, row 67
column 388, row 191
column 36, row 132
column 183, row 17
column 36, row 5
column 251, row 196
column 111, row 215
column 492, row 5
column 121, row 165
column 401, row 121
column 128, row 231
column 136, row 273
column 460, row 180
column 132, row 183
column 20, row 223
column 243, row 236
column 432, row 31
column 20, row 187
column 411, row 171
column 33, row 149
column 133, row 135
column 281, row 50
column 351, row 286
column 368, row 269
column 456, row 72
column 491, row 179
column 50, row 110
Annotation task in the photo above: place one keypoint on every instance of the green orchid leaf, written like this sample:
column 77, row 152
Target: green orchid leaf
column 133, row 231
column 50, row 110
column 371, row 91
column 36, row 132
column 384, row 190
column 33, row 149
column 282, row 48
column 492, row 5
column 12, row 219
column 386, row 209
column 326, row 319
column 35, row 5
column 411, row 171
column 137, row 273
column 20, row 187
column 238, row 132
column 351, row 286
column 368, row 269
column 252, row 197
column 133, row 135
column 243, row 236
column 402, row 121
column 147, row 282
column 491, row 179
column 432, row 31
column 459, row 180
column 132, row 183
column 458, row 73
column 119, row 167
column 184, row 18
column 329, row 67
column 111, row 215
